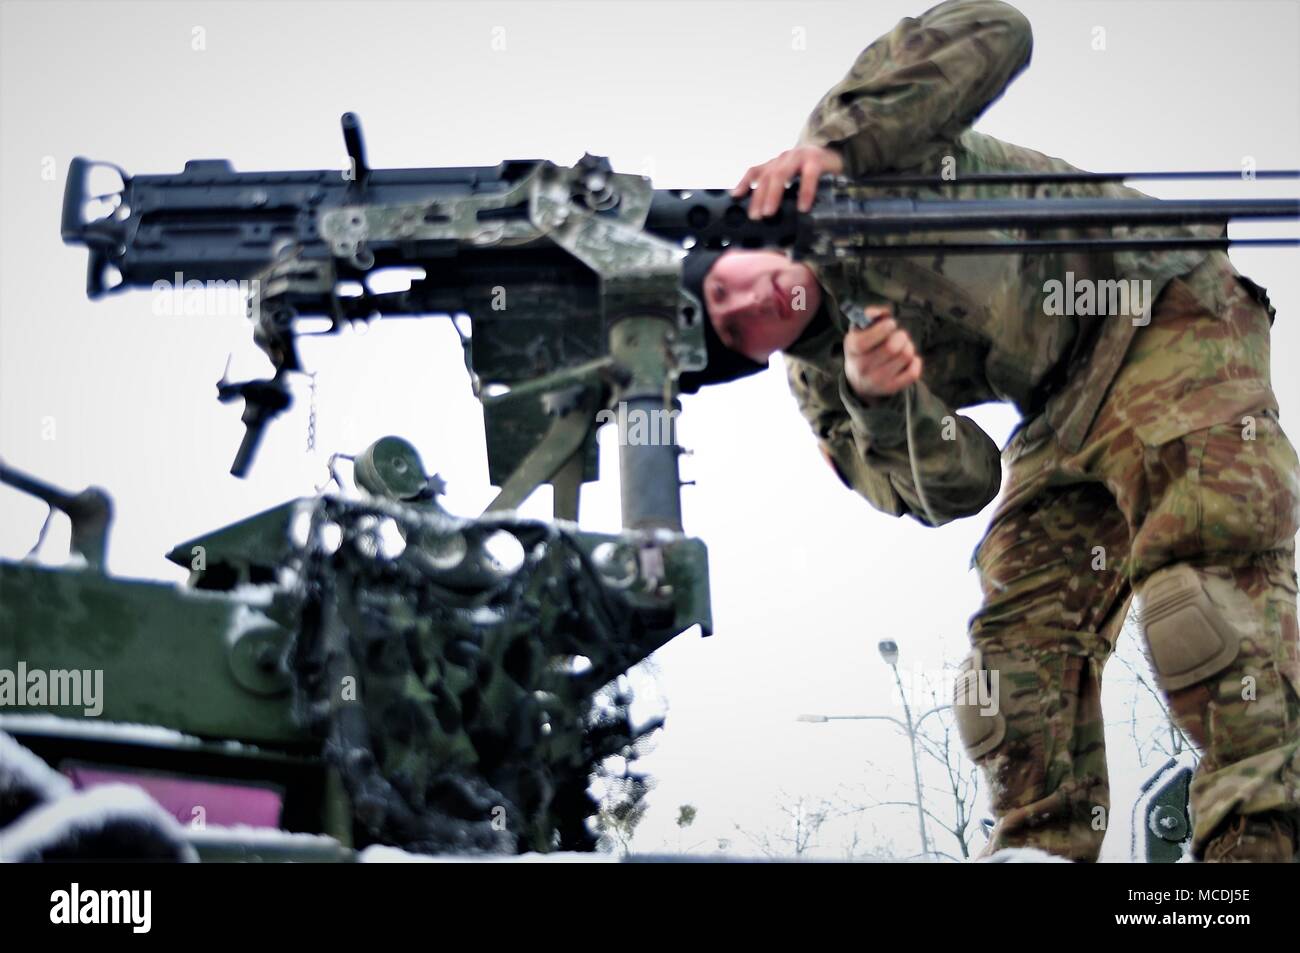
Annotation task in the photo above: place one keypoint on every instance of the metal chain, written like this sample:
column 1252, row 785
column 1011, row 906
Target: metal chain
column 311, row 417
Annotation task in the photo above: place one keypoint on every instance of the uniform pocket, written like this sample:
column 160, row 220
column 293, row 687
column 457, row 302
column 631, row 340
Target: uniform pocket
column 1229, row 487
column 1248, row 483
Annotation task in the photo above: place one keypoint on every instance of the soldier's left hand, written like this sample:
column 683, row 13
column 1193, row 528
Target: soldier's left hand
column 769, row 179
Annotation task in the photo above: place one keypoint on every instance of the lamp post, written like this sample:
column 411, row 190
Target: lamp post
column 889, row 652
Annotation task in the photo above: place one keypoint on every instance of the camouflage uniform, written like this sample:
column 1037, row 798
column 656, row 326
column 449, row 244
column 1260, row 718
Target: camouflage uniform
column 1150, row 459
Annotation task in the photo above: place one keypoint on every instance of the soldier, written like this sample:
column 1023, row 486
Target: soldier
column 1149, row 460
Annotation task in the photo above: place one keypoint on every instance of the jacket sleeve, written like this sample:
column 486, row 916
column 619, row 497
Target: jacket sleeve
column 923, row 83
column 959, row 465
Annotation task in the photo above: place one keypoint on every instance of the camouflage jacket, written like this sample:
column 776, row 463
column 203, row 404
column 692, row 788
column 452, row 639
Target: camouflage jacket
column 989, row 328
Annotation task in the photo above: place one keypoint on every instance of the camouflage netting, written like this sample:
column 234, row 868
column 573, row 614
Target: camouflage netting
column 463, row 689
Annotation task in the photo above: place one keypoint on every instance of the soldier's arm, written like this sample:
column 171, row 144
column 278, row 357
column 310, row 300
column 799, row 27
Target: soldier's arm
column 923, row 83
column 866, row 444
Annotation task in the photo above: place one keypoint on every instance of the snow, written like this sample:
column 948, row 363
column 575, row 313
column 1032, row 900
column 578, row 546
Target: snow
column 267, row 843
column 244, row 619
column 89, row 812
column 18, row 766
column 1022, row 855
column 115, row 731
column 379, row 854
column 260, row 836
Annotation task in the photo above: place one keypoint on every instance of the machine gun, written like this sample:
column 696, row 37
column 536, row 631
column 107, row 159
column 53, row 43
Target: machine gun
column 571, row 276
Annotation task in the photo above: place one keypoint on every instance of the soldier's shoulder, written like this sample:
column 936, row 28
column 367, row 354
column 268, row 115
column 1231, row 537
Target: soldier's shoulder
column 989, row 153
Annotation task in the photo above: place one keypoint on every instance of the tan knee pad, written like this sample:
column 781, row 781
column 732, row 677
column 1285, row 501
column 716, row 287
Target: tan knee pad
column 980, row 722
column 1187, row 637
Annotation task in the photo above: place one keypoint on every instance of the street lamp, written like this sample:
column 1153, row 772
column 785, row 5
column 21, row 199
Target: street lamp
column 889, row 652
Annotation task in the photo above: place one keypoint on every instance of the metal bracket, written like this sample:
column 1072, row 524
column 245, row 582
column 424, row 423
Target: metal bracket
column 90, row 512
column 553, row 453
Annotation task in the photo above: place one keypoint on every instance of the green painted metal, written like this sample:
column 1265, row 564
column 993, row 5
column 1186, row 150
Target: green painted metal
column 165, row 652
column 391, row 467
column 245, row 552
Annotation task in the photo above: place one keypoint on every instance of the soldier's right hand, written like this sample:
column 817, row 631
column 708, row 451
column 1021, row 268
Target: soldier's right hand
column 880, row 359
column 769, row 179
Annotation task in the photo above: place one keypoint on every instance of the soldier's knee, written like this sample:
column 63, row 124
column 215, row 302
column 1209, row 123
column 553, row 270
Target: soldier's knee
column 1011, row 715
column 980, row 722
column 1218, row 647
column 1188, row 637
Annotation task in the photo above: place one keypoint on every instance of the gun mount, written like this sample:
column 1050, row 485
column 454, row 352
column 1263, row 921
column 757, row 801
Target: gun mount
column 367, row 667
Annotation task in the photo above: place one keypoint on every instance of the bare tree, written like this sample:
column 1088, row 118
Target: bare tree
column 806, row 820
column 961, row 779
column 941, row 754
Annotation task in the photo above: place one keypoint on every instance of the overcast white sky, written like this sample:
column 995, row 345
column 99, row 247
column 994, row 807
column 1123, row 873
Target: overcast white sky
column 807, row 578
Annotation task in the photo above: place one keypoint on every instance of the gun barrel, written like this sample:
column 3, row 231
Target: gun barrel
column 849, row 215
column 894, row 180
column 1040, row 246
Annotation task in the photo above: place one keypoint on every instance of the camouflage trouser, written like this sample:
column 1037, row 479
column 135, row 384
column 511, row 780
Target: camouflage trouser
column 1184, row 492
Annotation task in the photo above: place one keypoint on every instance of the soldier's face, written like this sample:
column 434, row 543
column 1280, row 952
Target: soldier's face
column 759, row 302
